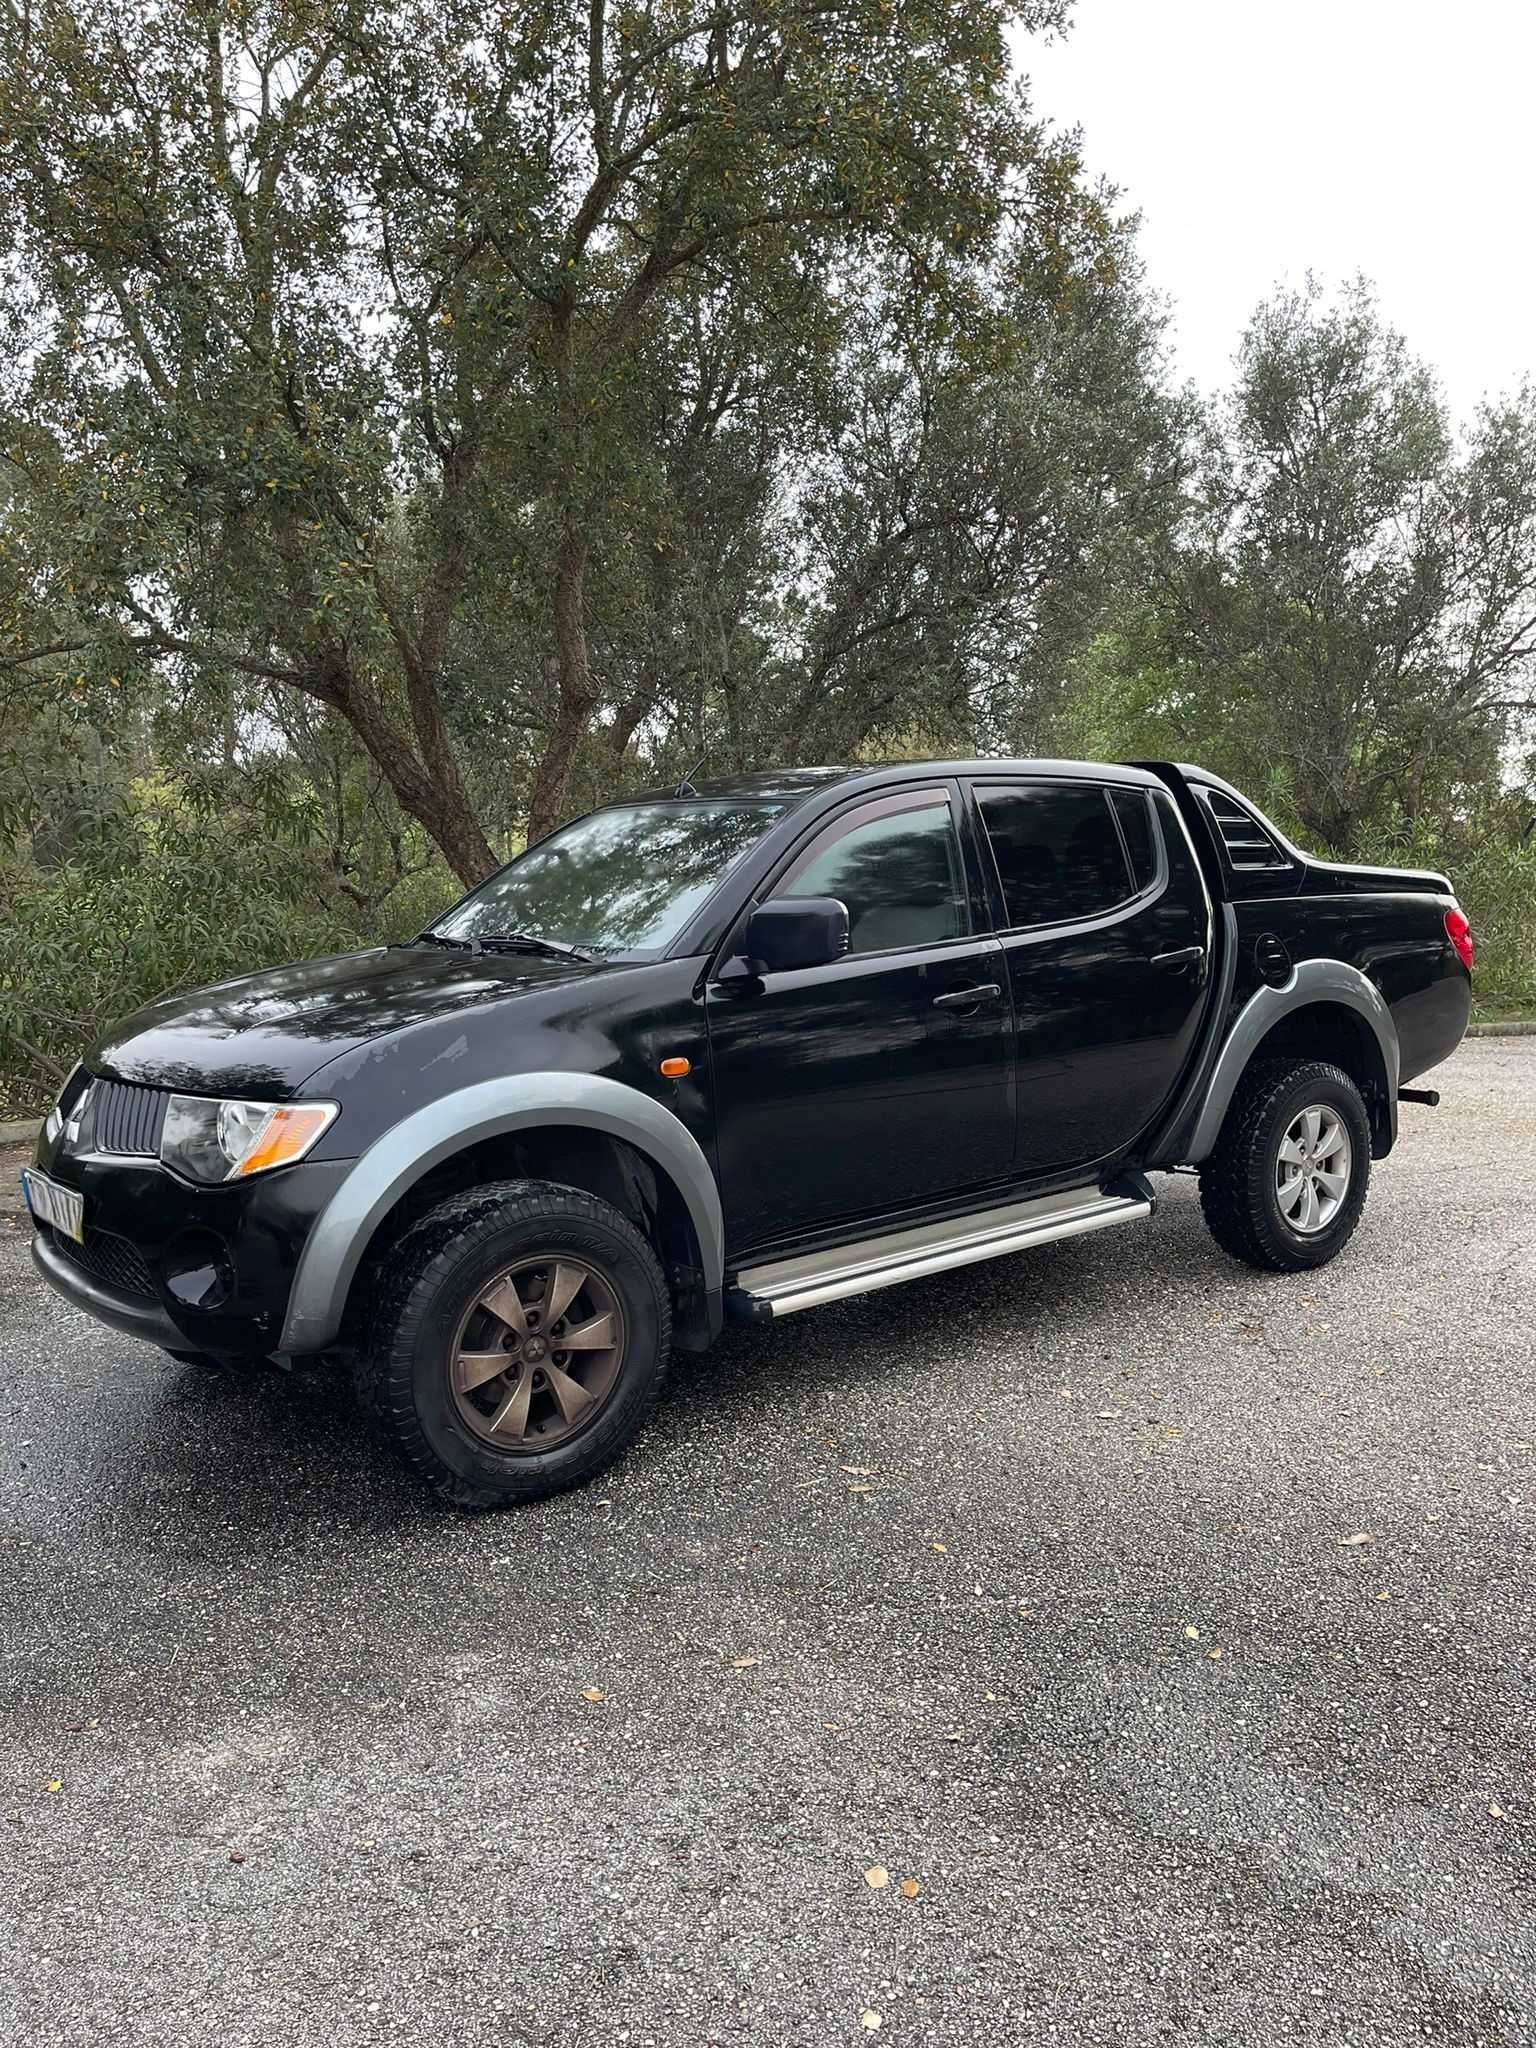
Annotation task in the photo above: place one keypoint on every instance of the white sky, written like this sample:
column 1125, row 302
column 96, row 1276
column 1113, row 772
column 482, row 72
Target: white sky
column 1260, row 138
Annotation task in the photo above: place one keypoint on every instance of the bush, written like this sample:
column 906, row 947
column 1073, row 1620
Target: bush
column 1491, row 863
column 172, row 896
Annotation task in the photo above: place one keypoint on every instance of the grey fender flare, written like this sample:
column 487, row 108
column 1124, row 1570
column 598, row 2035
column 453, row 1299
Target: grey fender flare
column 1311, row 981
column 410, row 1148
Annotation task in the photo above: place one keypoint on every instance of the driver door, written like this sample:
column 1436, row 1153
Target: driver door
column 881, row 1079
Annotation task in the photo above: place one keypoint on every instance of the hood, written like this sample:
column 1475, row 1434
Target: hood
column 264, row 1034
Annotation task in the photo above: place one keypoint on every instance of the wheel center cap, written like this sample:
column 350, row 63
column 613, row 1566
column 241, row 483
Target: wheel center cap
column 535, row 1349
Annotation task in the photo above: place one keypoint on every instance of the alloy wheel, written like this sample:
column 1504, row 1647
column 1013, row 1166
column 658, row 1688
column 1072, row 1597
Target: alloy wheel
column 1313, row 1169
column 537, row 1355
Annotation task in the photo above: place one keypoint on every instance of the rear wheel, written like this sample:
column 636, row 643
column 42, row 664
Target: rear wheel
column 518, row 1344
column 1286, row 1184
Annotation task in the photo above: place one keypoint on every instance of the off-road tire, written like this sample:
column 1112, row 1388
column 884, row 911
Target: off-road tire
column 431, row 1277
column 1238, row 1191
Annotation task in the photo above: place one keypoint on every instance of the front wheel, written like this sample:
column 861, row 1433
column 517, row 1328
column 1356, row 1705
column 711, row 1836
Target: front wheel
column 518, row 1344
column 1284, row 1188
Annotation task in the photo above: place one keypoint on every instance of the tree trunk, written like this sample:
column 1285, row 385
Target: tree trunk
column 439, row 803
column 577, row 698
column 1336, row 829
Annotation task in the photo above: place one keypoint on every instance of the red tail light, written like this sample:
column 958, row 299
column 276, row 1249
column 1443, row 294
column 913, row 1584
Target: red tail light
column 1459, row 932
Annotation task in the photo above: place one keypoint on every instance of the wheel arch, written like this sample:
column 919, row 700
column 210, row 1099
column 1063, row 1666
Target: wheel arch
column 1326, row 1010
column 533, row 1125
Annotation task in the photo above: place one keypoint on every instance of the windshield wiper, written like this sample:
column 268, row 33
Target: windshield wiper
column 441, row 939
column 530, row 942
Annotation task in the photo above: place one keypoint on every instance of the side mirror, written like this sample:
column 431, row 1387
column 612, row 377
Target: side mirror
column 795, row 931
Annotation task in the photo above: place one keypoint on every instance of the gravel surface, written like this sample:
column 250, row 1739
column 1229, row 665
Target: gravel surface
column 1033, row 1585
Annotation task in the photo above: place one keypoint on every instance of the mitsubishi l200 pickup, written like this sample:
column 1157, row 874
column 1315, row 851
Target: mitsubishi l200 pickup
column 738, row 1050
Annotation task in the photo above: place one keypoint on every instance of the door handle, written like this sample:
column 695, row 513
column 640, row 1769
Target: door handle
column 969, row 998
column 1183, row 956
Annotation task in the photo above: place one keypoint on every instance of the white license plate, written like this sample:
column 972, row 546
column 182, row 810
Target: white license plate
column 50, row 1203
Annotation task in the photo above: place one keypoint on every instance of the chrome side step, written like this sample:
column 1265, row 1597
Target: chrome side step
column 762, row 1293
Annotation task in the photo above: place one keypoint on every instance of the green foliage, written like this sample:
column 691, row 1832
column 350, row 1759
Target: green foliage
column 1490, row 856
column 174, row 887
column 334, row 331
column 423, row 419
column 1346, row 612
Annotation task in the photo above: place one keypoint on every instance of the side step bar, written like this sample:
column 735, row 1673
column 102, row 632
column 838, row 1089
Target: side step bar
column 762, row 1293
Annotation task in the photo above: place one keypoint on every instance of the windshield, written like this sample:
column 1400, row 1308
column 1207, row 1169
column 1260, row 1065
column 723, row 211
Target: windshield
column 624, row 880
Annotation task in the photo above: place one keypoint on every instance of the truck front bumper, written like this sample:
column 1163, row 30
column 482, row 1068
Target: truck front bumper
column 187, row 1268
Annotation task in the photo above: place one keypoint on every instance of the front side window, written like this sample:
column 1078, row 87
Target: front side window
column 624, row 880
column 899, row 874
column 1058, row 851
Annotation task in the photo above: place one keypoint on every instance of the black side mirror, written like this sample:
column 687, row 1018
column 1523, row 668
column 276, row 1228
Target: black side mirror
column 795, row 931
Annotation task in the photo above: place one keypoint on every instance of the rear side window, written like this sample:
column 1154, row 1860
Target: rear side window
column 898, row 873
column 1134, row 813
column 1249, row 848
column 1058, row 851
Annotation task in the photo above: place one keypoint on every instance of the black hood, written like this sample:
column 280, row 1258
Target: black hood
column 265, row 1034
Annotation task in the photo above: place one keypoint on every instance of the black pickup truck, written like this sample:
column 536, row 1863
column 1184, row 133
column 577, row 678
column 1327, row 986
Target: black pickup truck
column 739, row 1050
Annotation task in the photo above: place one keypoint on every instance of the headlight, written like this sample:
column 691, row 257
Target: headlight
column 53, row 1122
column 209, row 1140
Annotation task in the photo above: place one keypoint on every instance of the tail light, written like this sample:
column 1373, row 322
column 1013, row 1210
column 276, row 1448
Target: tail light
column 1459, row 932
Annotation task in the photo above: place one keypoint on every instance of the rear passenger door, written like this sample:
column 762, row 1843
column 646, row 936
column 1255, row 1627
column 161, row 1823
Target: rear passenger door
column 1106, row 927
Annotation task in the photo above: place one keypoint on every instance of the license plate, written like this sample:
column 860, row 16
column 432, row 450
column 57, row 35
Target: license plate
column 50, row 1203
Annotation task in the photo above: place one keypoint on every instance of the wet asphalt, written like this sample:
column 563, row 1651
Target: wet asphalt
column 1033, row 1586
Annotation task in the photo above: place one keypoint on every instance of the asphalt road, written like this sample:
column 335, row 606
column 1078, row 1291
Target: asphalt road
column 287, row 1755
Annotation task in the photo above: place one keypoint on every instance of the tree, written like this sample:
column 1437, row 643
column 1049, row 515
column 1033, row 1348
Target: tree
column 1348, row 615
column 988, row 485
column 322, row 316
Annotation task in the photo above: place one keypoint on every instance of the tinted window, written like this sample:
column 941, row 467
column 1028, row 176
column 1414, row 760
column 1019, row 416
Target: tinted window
column 1058, row 853
column 1136, row 823
column 899, row 875
column 1248, row 846
column 623, row 880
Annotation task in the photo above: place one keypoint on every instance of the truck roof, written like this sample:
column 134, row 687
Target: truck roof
column 795, row 784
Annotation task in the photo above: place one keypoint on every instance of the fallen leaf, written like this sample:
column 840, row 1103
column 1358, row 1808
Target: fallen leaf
column 1354, row 1542
column 592, row 1694
column 1213, row 1655
column 869, row 2020
column 860, row 1471
column 55, row 1784
column 1108, row 1415
column 237, row 1855
column 1192, row 1633
column 1383, row 1596
column 909, row 1886
column 744, row 1663
column 943, row 1548
column 860, row 1489
column 1495, row 1813
column 877, row 1877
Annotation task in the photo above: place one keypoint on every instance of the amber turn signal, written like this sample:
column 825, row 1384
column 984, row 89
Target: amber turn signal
column 676, row 1067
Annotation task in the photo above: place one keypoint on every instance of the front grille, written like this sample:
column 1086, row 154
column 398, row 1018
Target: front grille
column 108, row 1258
column 128, row 1118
